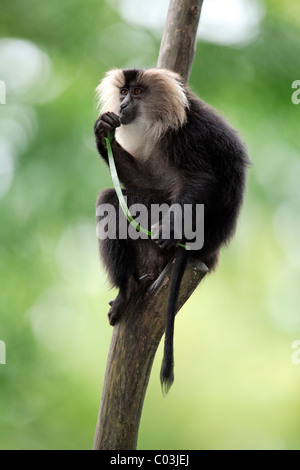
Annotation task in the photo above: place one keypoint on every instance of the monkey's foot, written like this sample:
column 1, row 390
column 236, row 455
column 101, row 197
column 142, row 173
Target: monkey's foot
column 121, row 301
column 115, row 312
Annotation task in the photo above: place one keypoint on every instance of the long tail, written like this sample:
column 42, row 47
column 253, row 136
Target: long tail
column 167, row 368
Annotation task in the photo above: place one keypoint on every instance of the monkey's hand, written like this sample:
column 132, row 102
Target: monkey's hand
column 105, row 124
column 165, row 234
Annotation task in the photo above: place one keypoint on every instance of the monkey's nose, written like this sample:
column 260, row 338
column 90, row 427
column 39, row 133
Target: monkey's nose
column 122, row 106
column 124, row 103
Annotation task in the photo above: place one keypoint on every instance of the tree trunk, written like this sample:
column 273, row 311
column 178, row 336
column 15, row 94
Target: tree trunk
column 133, row 346
column 178, row 43
column 136, row 337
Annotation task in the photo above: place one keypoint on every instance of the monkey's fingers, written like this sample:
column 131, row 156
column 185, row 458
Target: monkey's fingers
column 102, row 128
column 106, row 123
column 111, row 118
column 167, row 244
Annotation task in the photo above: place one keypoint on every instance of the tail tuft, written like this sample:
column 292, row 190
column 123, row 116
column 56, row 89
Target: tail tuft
column 166, row 375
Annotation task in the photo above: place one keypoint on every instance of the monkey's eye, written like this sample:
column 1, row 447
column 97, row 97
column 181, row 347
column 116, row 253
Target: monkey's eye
column 124, row 92
column 137, row 91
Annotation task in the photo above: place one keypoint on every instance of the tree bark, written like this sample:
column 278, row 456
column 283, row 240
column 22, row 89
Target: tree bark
column 133, row 346
column 178, row 43
column 136, row 337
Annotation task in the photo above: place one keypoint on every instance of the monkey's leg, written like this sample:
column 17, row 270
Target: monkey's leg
column 126, row 278
column 117, row 253
column 127, row 260
column 122, row 270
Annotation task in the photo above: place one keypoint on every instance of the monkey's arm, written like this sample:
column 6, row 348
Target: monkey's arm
column 199, row 190
column 194, row 152
column 131, row 173
column 105, row 124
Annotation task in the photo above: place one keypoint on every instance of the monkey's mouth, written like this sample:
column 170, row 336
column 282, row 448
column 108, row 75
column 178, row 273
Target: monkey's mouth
column 126, row 116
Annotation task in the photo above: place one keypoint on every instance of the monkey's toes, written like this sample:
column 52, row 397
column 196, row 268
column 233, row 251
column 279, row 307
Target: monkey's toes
column 115, row 312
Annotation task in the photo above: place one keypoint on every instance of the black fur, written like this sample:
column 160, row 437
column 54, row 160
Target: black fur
column 130, row 75
column 167, row 368
column 207, row 164
column 210, row 151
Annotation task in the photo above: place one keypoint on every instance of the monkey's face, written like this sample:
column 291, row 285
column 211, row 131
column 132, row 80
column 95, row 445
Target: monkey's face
column 154, row 99
column 130, row 98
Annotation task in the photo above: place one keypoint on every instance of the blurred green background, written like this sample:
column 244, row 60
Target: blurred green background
column 237, row 381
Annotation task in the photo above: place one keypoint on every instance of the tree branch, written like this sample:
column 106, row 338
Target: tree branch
column 136, row 337
column 133, row 346
column 178, row 43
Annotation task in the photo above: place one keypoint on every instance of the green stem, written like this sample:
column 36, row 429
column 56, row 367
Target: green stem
column 122, row 202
